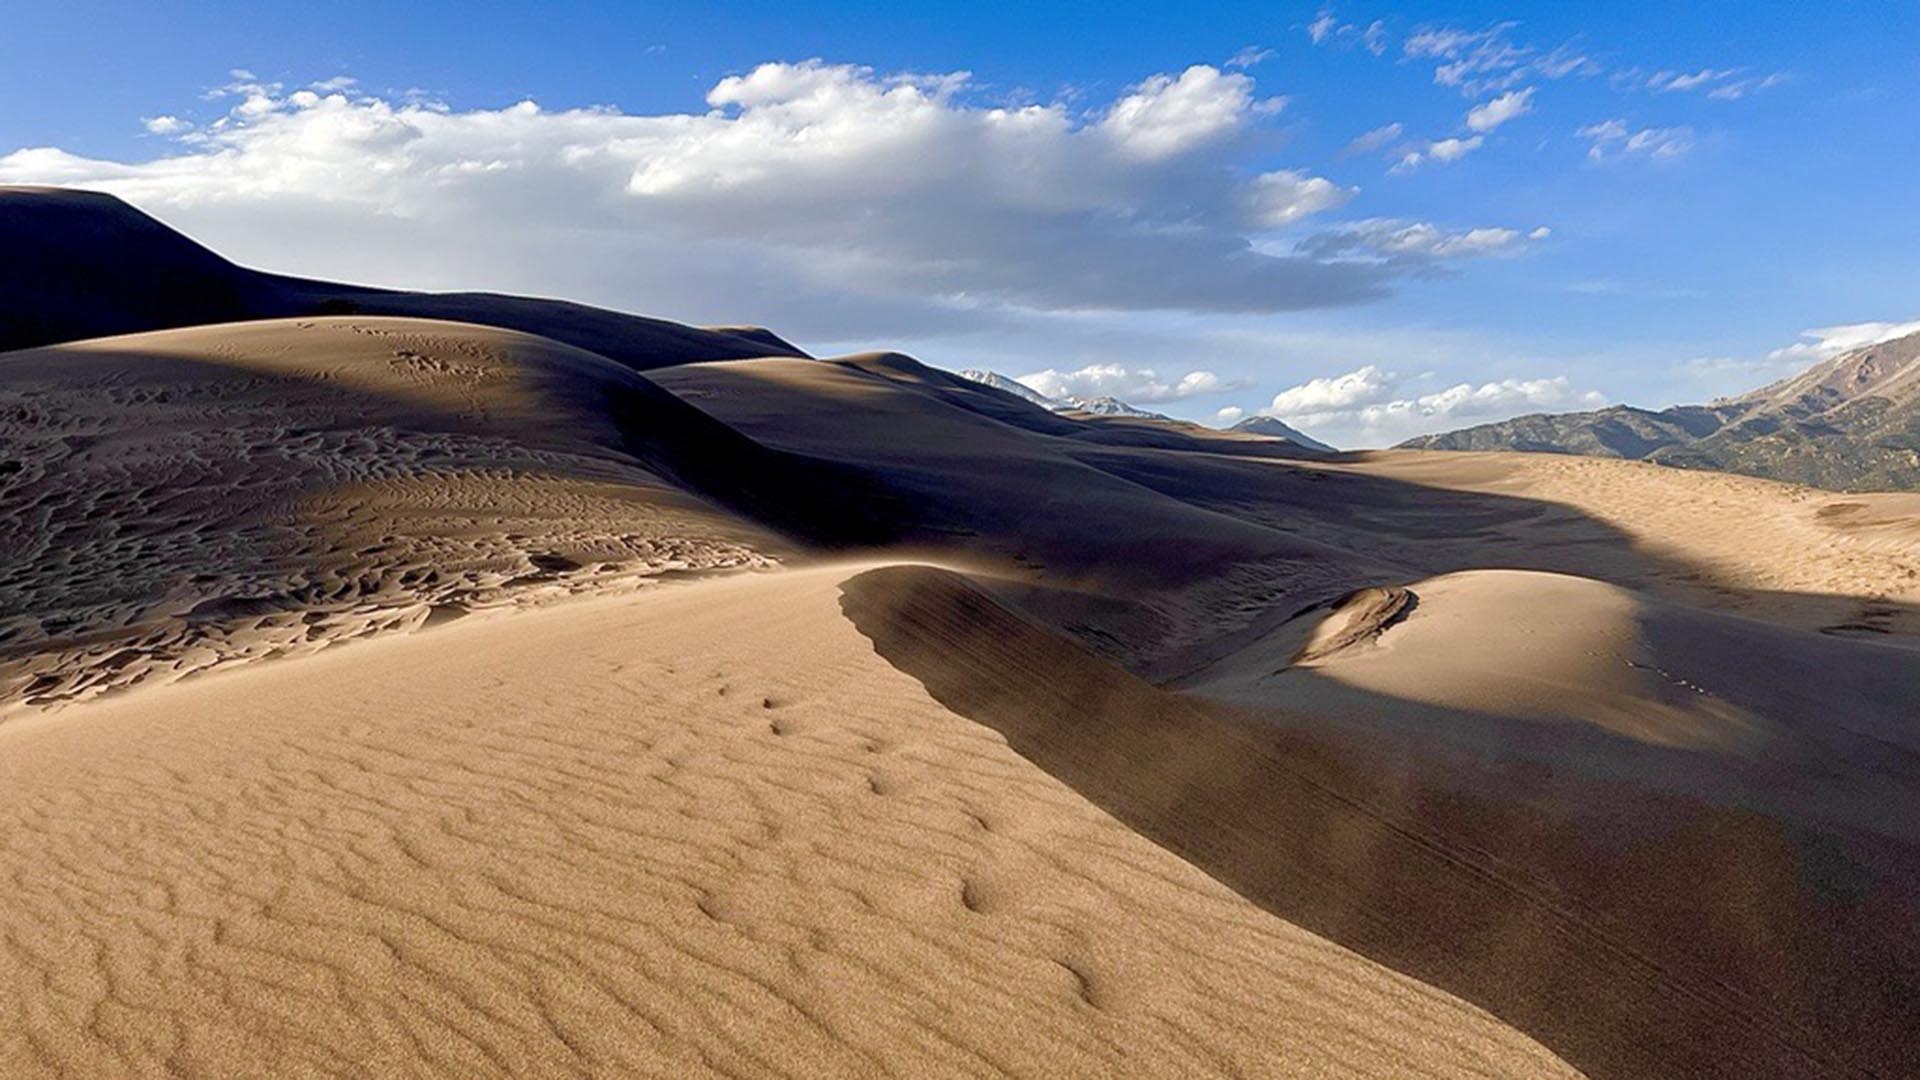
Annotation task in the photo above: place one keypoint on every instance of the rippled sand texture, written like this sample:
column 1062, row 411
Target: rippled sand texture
column 703, row 830
column 178, row 500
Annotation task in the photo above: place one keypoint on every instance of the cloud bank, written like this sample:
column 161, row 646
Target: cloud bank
column 1371, row 406
column 830, row 193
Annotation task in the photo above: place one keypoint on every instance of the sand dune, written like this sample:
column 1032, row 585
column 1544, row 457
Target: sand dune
column 1799, row 556
column 1613, row 897
column 80, row 264
column 702, row 830
column 1012, row 742
column 189, row 498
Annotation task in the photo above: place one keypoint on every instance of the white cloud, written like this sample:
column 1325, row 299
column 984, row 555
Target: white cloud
column 1825, row 342
column 1374, row 405
column 1165, row 116
column 1229, row 415
column 1444, row 151
column 1284, row 197
column 165, row 125
column 1377, row 139
column 1361, row 386
column 1478, row 62
column 1720, row 84
column 1614, row 136
column 1717, row 376
column 1393, row 238
column 1250, row 56
column 1323, row 26
column 1734, row 91
column 815, row 193
column 1448, row 150
column 1491, row 114
column 1327, row 28
column 1666, row 82
column 1132, row 385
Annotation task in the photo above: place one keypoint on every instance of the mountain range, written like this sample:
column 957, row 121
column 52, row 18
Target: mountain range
column 1106, row 405
column 1848, row 423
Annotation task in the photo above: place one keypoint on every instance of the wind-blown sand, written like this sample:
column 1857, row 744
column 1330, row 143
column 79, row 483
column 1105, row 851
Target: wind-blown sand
column 1003, row 741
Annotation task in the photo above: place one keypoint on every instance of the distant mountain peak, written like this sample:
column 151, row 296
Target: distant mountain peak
column 1099, row 406
column 1012, row 386
column 1107, row 405
column 1850, row 423
column 1276, row 429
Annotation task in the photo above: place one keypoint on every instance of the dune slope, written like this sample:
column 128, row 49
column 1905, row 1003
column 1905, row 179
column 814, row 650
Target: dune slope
column 181, row 499
column 703, row 830
column 1635, row 928
column 81, row 264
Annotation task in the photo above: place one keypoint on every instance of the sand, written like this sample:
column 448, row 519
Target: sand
column 190, row 498
column 702, row 830
column 1799, row 556
column 561, row 692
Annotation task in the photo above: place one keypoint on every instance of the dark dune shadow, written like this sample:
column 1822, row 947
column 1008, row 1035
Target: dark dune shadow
column 236, row 514
column 1127, row 527
column 1636, row 933
column 83, row 264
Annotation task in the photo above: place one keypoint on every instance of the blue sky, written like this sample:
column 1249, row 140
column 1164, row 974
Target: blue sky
column 1559, row 207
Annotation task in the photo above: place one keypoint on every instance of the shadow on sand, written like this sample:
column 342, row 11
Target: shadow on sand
column 1634, row 932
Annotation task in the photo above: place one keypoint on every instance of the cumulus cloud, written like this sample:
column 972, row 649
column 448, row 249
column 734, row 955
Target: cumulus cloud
column 1283, row 197
column 1491, row 114
column 1610, row 137
column 1374, row 140
column 1166, row 116
column 164, row 125
column 1362, row 386
column 1135, row 386
column 1372, row 406
column 1229, row 415
column 801, row 181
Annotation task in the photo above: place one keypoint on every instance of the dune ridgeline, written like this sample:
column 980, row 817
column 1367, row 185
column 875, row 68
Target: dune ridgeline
column 454, row 684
